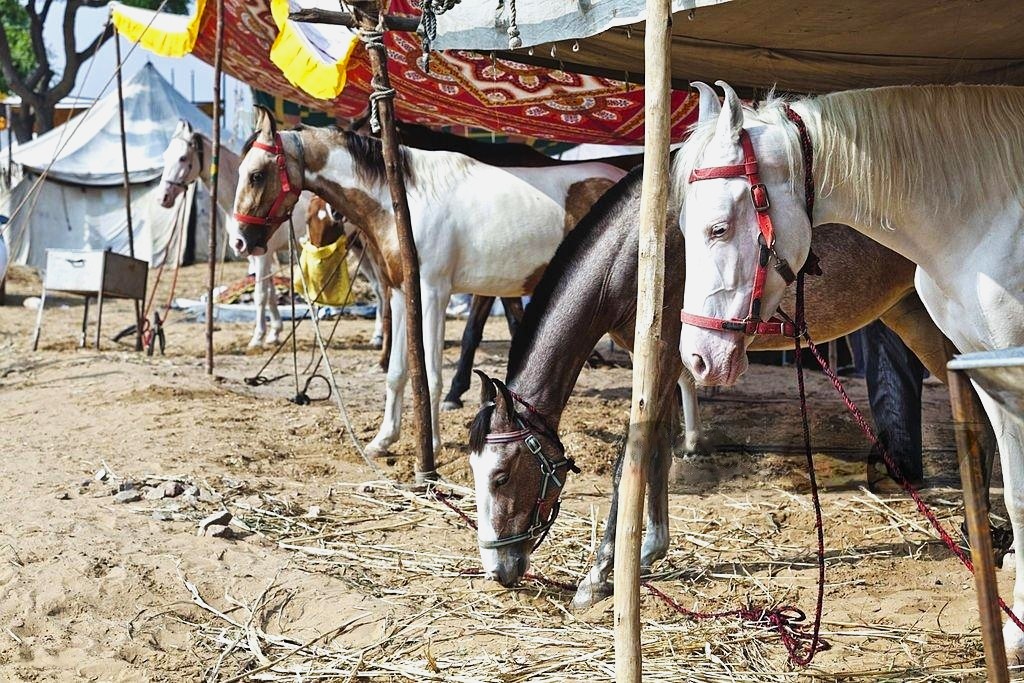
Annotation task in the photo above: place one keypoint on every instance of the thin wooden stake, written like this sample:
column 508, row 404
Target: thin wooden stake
column 214, row 166
column 969, row 426
column 425, row 470
column 644, row 411
column 127, row 187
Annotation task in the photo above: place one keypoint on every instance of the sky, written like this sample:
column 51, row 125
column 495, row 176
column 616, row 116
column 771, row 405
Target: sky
column 90, row 21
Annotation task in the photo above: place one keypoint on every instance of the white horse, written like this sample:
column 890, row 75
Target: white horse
column 186, row 159
column 934, row 173
column 478, row 228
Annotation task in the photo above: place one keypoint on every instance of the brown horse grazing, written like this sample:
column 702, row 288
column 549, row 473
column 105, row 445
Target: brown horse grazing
column 589, row 290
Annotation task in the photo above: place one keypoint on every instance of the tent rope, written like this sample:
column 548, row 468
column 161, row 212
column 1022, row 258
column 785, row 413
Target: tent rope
column 374, row 40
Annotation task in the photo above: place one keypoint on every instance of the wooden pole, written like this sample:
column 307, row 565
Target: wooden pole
column 970, row 425
column 644, row 412
column 425, row 471
column 211, row 280
column 127, row 187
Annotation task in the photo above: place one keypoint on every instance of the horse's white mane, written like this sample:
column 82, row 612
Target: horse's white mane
column 901, row 142
column 962, row 142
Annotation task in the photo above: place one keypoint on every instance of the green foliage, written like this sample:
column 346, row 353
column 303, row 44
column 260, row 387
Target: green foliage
column 15, row 19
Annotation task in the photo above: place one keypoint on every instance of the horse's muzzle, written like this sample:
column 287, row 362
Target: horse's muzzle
column 511, row 567
column 250, row 241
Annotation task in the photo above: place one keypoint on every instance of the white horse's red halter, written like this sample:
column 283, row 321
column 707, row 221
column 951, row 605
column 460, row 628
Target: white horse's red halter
column 273, row 219
column 779, row 324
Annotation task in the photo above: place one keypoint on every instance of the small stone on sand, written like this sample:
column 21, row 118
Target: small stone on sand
column 218, row 531
column 173, row 488
column 131, row 496
column 221, row 518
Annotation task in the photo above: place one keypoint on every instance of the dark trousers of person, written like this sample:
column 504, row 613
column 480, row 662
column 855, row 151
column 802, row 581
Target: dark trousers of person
column 894, row 376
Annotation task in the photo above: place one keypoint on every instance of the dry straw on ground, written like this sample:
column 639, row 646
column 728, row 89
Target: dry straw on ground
column 528, row 634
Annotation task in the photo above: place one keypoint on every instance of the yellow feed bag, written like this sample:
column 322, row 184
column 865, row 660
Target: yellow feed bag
column 325, row 273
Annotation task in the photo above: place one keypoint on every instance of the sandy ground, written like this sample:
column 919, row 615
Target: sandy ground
column 380, row 579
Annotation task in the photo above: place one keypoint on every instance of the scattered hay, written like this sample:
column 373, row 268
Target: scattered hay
column 431, row 616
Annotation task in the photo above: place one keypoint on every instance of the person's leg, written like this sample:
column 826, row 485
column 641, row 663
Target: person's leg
column 894, row 378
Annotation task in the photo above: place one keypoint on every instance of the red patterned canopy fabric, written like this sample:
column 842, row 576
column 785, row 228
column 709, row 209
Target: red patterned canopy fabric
column 461, row 88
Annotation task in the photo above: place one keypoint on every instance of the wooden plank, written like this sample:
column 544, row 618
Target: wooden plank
column 644, row 412
column 969, row 425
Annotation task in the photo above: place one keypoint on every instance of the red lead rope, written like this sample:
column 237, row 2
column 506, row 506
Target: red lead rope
column 858, row 417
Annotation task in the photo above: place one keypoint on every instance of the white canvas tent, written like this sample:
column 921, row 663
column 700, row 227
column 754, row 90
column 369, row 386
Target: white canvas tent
column 79, row 204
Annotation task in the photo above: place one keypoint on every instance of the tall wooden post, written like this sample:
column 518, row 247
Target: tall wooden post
column 372, row 22
column 644, row 412
column 969, row 425
column 211, row 280
column 127, row 187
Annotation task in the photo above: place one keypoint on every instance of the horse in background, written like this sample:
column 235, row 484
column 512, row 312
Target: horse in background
column 934, row 173
column 185, row 162
column 497, row 247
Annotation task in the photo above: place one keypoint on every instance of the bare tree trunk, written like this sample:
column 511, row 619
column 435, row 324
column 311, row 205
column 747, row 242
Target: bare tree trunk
column 23, row 121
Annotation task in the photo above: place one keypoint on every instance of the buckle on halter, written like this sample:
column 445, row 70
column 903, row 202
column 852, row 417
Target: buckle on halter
column 734, row 325
column 759, row 195
column 533, row 444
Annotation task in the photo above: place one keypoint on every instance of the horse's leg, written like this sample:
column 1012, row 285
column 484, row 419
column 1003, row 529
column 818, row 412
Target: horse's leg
column 1010, row 435
column 694, row 441
column 369, row 270
column 595, row 586
column 513, row 307
column 270, row 297
column 391, row 424
column 435, row 301
column 909, row 319
column 479, row 309
column 259, row 295
column 387, row 326
column 655, row 544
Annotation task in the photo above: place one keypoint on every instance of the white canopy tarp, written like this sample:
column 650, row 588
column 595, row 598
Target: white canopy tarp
column 79, row 203
column 88, row 147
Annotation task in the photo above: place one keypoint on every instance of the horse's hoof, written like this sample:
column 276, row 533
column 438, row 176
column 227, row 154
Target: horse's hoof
column 377, row 342
column 376, row 450
column 255, row 343
column 588, row 595
column 696, row 444
column 451, row 405
column 649, row 558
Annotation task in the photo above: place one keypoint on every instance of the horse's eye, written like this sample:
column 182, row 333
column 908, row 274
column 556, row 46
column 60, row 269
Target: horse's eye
column 256, row 178
column 183, row 159
column 718, row 230
column 500, row 479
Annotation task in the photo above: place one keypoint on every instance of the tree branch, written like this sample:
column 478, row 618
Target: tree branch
column 46, row 10
column 36, row 22
column 75, row 58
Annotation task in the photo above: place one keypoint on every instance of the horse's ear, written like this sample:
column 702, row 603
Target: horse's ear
column 504, row 405
column 182, row 130
column 730, row 121
column 266, row 126
column 710, row 106
column 486, row 387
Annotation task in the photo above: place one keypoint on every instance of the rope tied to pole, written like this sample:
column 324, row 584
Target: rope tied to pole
column 374, row 40
column 428, row 26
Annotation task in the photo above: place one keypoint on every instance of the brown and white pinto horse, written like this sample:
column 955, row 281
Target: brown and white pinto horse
column 478, row 228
